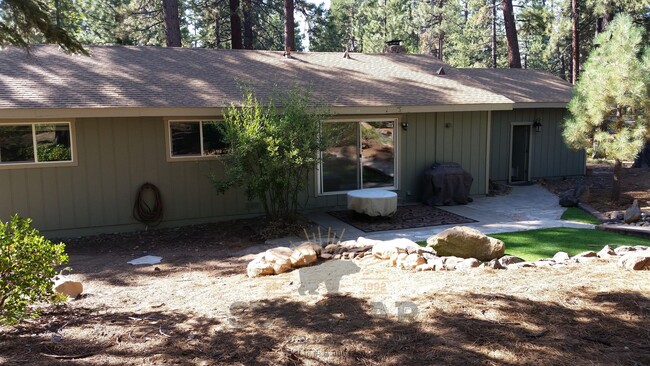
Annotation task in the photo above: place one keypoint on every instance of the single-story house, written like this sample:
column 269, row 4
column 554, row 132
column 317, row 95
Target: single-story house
column 79, row 135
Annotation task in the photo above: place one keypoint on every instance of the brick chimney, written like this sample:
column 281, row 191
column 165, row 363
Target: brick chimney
column 394, row 46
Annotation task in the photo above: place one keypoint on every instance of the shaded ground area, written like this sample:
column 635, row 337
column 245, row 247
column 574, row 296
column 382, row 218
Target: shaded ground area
column 406, row 217
column 635, row 184
column 197, row 307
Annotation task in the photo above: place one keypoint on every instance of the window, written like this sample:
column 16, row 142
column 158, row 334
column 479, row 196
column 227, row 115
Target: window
column 361, row 154
column 34, row 143
column 195, row 139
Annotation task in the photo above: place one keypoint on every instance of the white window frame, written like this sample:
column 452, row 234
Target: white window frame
column 43, row 164
column 168, row 138
column 396, row 133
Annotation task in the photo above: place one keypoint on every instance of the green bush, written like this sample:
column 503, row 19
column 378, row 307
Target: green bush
column 271, row 150
column 27, row 266
column 54, row 152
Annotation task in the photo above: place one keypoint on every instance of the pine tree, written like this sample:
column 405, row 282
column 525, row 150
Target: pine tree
column 514, row 58
column 469, row 43
column 607, row 113
column 172, row 23
column 23, row 21
column 334, row 27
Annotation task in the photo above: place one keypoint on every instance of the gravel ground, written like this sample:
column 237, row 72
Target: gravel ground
column 197, row 307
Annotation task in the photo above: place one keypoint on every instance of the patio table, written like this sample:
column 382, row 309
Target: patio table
column 373, row 202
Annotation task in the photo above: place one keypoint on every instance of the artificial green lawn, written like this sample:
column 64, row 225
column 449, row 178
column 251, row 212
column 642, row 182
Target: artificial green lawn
column 578, row 215
column 544, row 243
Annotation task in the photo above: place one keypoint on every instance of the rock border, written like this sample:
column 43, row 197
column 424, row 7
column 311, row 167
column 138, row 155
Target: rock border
column 405, row 254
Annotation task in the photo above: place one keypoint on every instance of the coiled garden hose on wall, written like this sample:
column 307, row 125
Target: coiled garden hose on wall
column 148, row 215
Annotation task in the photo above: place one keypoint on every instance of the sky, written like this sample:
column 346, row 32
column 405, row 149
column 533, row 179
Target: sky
column 326, row 2
column 303, row 25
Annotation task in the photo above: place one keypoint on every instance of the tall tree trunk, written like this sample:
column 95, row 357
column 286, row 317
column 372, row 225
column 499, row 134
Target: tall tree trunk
column 570, row 71
column 514, row 58
column 575, row 41
column 441, row 36
column 616, row 184
column 248, row 25
column 235, row 25
column 289, row 26
column 602, row 22
column 172, row 23
column 562, row 64
column 494, row 34
column 217, row 26
column 57, row 9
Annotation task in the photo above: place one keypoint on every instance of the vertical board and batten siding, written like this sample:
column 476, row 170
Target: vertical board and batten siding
column 426, row 141
column 115, row 156
column 459, row 137
column 550, row 157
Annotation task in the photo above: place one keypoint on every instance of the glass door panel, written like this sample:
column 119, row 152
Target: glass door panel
column 340, row 165
column 378, row 154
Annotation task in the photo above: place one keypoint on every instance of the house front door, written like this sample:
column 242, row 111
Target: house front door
column 520, row 153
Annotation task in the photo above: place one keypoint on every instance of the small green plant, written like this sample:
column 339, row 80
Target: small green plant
column 27, row 265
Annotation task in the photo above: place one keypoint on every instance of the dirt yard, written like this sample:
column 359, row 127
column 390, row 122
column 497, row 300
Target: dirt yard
column 635, row 184
column 198, row 307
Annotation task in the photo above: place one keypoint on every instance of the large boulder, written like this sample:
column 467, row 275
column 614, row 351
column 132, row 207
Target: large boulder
column 561, row 257
column 635, row 261
column 507, row 260
column 279, row 254
column 494, row 264
column 273, row 261
column 386, row 249
column 304, row 255
column 68, row 287
column 572, row 197
column 410, row 262
column 280, row 259
column 468, row 263
column 465, row 242
column 259, row 267
column 624, row 249
column 632, row 214
column 606, row 252
column 567, row 199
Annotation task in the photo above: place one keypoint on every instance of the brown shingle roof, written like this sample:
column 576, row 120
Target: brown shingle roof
column 523, row 85
column 168, row 77
column 153, row 77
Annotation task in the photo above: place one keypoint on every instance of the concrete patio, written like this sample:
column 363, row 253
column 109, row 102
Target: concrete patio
column 525, row 208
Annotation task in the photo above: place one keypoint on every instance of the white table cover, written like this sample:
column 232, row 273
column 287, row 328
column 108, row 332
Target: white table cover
column 373, row 202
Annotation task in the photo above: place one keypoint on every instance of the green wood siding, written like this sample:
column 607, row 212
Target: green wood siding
column 550, row 157
column 459, row 137
column 117, row 155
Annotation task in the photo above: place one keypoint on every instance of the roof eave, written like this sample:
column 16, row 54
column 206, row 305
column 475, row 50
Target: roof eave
column 348, row 110
column 50, row 113
column 530, row 105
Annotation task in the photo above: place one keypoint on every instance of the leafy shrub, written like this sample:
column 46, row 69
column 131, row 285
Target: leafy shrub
column 27, row 266
column 271, row 150
column 54, row 152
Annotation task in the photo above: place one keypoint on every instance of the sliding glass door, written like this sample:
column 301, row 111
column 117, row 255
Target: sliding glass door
column 339, row 169
column 361, row 154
